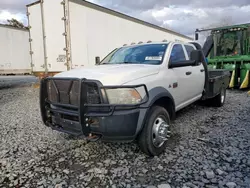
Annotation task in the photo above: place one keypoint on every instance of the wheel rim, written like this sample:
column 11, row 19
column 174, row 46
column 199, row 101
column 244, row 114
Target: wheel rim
column 160, row 132
column 222, row 96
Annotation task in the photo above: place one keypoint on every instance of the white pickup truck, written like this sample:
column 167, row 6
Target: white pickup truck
column 132, row 94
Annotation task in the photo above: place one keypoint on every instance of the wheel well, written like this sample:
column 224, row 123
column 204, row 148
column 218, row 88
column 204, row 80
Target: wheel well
column 168, row 104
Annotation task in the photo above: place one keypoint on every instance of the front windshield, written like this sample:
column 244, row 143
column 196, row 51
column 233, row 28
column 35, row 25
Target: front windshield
column 228, row 43
column 141, row 54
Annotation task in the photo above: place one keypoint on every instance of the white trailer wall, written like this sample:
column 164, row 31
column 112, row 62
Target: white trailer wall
column 14, row 51
column 96, row 32
column 83, row 31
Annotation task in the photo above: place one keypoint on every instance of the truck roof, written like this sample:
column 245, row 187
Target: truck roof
column 145, row 43
column 155, row 42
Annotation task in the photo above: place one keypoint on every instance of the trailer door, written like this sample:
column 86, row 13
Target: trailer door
column 36, row 38
column 54, row 30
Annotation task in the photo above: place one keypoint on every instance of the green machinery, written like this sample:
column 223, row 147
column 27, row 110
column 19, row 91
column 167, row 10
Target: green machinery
column 229, row 48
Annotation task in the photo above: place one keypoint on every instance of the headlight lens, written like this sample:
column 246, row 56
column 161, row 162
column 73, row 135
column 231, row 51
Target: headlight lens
column 123, row 96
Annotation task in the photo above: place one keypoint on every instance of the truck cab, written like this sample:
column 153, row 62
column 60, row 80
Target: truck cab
column 168, row 64
column 132, row 94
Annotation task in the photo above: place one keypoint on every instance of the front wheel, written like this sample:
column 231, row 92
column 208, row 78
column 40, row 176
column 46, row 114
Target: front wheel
column 156, row 131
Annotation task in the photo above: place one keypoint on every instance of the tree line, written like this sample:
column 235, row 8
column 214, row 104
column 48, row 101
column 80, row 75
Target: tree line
column 15, row 23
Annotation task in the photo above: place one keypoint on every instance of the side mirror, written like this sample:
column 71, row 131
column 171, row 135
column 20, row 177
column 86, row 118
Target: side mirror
column 196, row 55
column 97, row 60
column 196, row 36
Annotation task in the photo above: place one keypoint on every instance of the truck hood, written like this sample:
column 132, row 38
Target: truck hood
column 116, row 74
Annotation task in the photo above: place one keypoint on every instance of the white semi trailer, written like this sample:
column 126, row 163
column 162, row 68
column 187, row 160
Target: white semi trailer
column 70, row 34
column 14, row 51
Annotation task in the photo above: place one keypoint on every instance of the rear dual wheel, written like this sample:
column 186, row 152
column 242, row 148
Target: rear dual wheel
column 156, row 132
column 219, row 100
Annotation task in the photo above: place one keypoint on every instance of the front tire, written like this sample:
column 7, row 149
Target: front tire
column 156, row 131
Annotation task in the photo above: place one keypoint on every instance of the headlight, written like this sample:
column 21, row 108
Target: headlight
column 123, row 96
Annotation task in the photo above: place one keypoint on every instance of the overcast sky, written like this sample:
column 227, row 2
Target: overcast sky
column 183, row 16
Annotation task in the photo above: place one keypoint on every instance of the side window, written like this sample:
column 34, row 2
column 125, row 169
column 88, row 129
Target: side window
column 189, row 50
column 177, row 54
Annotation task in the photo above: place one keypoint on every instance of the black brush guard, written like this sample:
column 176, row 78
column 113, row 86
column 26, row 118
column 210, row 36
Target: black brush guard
column 74, row 118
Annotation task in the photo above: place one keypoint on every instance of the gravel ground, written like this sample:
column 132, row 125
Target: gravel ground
column 210, row 148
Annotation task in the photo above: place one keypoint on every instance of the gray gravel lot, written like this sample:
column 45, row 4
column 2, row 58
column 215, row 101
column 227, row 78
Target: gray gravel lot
column 210, row 148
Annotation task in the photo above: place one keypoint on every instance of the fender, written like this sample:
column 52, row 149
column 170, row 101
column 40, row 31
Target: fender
column 154, row 94
column 157, row 93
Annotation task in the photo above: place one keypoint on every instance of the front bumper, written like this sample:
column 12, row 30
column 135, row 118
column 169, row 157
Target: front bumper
column 111, row 122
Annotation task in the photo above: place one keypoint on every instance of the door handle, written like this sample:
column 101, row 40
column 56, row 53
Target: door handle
column 202, row 70
column 188, row 73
